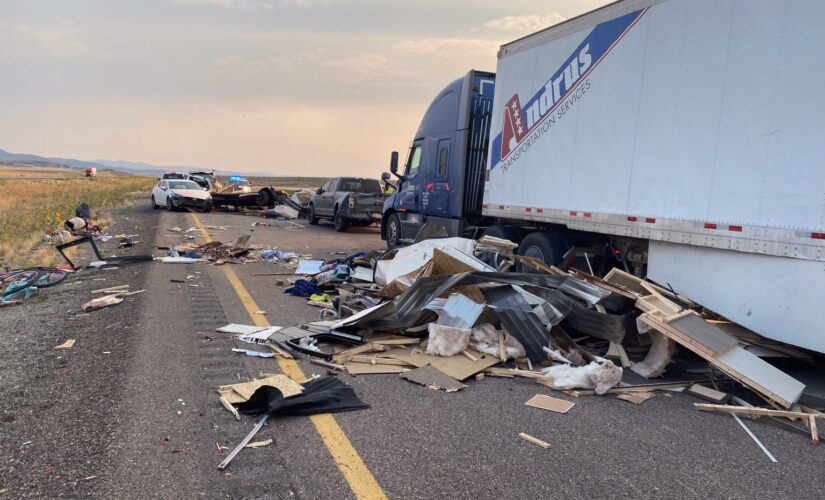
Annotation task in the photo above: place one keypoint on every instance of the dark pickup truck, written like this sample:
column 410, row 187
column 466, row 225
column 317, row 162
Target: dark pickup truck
column 347, row 201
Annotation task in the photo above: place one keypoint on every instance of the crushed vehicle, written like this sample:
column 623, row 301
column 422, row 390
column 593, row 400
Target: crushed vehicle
column 178, row 193
column 347, row 201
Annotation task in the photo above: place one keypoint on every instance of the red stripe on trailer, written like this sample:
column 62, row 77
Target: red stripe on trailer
column 540, row 210
column 710, row 225
column 588, row 214
column 528, row 209
column 485, row 206
column 818, row 236
column 573, row 214
column 632, row 218
column 650, row 220
column 735, row 228
column 501, row 207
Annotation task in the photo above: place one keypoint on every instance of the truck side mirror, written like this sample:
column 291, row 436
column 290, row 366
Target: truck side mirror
column 319, row 191
column 385, row 176
column 394, row 162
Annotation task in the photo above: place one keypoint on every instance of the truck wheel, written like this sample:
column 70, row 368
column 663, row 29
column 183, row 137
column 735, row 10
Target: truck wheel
column 393, row 231
column 155, row 206
column 311, row 218
column 341, row 223
column 264, row 198
column 547, row 247
column 509, row 233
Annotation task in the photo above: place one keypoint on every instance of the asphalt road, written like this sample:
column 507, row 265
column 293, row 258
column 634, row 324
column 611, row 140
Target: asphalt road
column 131, row 410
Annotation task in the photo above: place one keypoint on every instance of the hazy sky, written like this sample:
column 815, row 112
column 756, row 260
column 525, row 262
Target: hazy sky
column 285, row 87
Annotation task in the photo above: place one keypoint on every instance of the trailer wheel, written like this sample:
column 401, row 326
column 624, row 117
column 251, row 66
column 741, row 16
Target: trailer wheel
column 547, row 247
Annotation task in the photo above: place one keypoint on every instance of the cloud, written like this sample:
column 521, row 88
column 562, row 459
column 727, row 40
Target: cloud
column 526, row 22
column 448, row 47
column 249, row 5
column 21, row 41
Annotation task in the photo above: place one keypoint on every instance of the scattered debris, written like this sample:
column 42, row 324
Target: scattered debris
column 550, row 403
column 66, row 345
column 536, row 441
column 635, row 397
column 433, row 378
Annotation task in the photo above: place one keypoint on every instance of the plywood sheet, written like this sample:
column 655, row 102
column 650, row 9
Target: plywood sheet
column 710, row 336
column 550, row 403
column 459, row 366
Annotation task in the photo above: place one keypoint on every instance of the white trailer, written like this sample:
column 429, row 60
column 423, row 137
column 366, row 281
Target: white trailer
column 696, row 128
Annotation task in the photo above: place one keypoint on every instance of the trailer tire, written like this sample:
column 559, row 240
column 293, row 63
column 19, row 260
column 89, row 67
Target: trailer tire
column 548, row 247
column 509, row 233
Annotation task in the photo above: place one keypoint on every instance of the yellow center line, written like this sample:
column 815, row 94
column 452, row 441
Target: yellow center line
column 349, row 462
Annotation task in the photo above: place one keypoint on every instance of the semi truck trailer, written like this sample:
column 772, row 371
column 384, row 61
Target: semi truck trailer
column 677, row 139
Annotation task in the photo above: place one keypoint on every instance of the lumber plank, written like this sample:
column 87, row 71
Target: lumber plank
column 536, row 441
column 755, row 411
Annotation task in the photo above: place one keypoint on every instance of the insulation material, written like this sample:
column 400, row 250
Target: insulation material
column 485, row 339
column 447, row 340
column 661, row 351
column 600, row 375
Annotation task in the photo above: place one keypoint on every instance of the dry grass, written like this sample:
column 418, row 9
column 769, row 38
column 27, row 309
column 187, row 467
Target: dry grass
column 30, row 207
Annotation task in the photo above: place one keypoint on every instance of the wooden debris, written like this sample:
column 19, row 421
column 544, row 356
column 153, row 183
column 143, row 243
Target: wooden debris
column 345, row 355
column 469, row 356
column 755, row 411
column 239, row 393
column 66, row 345
column 550, row 403
column 536, row 441
column 258, row 444
column 635, row 397
column 707, row 393
column 374, row 369
column 502, row 352
column 375, row 360
column 616, row 351
column 479, row 376
column 433, row 378
column 226, row 404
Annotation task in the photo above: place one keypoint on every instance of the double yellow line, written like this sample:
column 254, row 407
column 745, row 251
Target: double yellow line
column 355, row 472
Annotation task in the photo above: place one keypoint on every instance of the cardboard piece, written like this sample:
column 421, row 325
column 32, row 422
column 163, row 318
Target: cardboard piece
column 432, row 377
column 550, row 403
column 459, row 367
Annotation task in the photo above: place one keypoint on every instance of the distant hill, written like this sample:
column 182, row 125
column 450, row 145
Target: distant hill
column 118, row 165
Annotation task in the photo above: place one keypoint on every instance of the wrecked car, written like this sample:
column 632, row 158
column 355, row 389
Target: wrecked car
column 347, row 201
column 175, row 194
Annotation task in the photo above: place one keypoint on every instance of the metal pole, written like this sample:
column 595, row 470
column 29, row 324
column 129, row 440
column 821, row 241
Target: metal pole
column 223, row 465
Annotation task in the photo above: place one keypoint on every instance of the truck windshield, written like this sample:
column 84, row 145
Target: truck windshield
column 360, row 185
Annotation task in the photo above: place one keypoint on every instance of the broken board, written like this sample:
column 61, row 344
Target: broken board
column 432, row 377
column 550, row 403
column 459, row 366
column 635, row 397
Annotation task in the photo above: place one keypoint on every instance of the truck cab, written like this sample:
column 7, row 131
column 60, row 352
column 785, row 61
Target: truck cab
column 443, row 178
